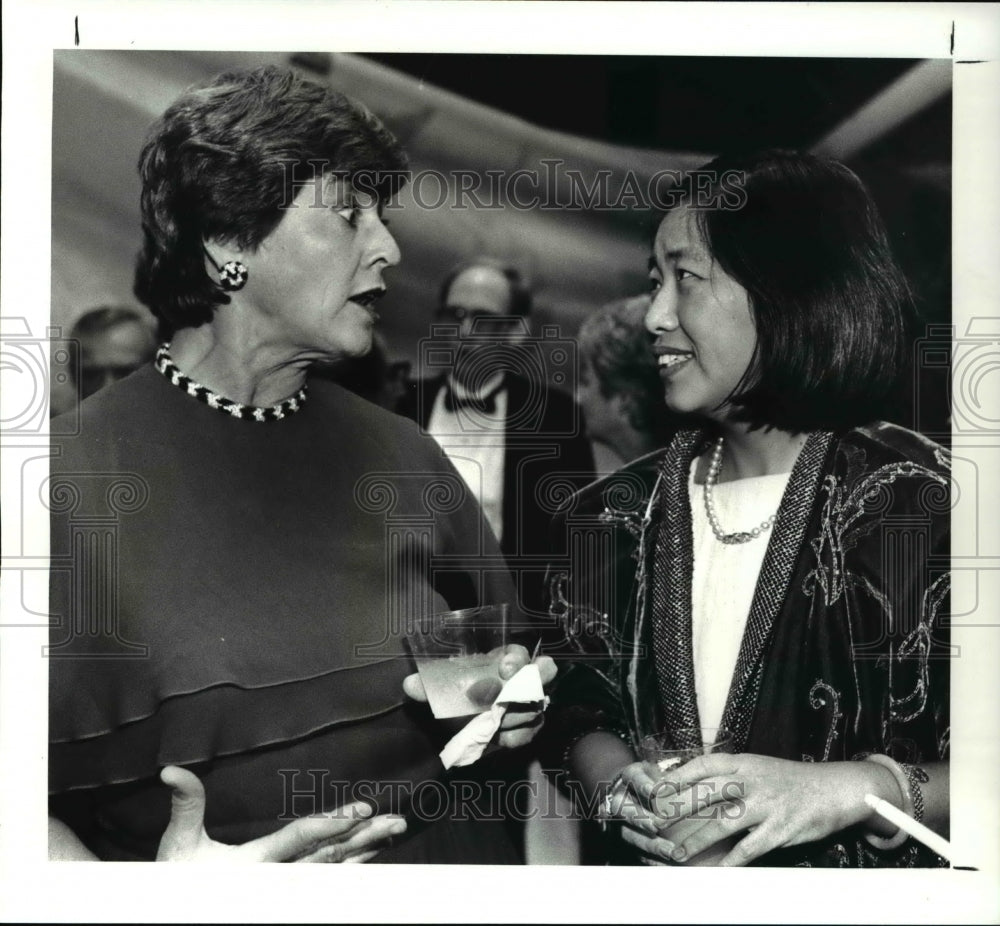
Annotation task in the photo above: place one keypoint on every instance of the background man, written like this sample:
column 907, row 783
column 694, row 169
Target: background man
column 516, row 440
column 114, row 341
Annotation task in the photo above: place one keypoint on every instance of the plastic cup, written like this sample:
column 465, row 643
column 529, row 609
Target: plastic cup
column 457, row 655
column 668, row 751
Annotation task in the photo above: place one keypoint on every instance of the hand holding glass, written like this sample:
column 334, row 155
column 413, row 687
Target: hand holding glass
column 665, row 752
column 458, row 655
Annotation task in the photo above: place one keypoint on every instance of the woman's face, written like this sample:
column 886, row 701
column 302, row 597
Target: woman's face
column 310, row 281
column 704, row 333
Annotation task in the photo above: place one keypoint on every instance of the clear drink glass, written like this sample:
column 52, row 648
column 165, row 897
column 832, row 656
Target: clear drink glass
column 457, row 655
column 668, row 751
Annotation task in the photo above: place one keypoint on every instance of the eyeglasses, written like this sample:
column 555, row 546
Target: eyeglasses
column 478, row 317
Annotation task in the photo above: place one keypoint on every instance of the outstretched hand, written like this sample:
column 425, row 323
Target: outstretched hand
column 518, row 727
column 351, row 834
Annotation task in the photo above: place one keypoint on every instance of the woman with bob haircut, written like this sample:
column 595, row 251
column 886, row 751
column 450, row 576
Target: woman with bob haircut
column 790, row 602
column 240, row 640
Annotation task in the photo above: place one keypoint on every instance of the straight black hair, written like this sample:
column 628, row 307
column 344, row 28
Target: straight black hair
column 832, row 309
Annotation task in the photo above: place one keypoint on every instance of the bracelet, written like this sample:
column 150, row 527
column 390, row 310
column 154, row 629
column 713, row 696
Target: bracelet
column 908, row 778
column 613, row 800
column 916, row 776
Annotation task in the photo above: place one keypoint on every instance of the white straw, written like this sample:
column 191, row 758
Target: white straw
column 929, row 838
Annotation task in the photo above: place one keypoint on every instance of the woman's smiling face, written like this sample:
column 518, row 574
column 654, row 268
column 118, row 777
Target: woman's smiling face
column 312, row 281
column 700, row 318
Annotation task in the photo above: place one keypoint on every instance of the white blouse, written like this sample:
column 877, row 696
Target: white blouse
column 724, row 581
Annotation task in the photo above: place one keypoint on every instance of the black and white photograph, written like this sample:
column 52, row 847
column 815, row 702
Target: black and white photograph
column 433, row 436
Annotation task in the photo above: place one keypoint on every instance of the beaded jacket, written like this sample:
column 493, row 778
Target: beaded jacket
column 846, row 648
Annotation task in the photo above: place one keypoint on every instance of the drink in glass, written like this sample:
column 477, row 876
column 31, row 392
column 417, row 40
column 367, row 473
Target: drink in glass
column 457, row 655
column 669, row 751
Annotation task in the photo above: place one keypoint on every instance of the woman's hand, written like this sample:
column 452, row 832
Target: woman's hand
column 518, row 727
column 351, row 835
column 753, row 804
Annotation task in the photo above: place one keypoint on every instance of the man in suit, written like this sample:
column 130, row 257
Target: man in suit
column 485, row 396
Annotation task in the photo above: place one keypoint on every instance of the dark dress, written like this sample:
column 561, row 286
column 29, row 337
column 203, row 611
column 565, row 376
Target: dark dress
column 230, row 595
column 846, row 646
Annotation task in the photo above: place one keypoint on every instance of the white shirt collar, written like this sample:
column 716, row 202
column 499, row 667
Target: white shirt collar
column 490, row 385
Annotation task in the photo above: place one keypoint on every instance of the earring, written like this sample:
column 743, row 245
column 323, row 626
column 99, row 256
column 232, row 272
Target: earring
column 233, row 275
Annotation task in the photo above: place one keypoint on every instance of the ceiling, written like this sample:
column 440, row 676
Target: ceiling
column 691, row 104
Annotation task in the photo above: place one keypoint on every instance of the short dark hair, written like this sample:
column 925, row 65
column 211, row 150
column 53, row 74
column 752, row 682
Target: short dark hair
column 614, row 342
column 520, row 290
column 225, row 159
column 832, row 309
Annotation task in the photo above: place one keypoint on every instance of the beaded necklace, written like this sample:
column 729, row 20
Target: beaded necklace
column 169, row 369
column 711, row 477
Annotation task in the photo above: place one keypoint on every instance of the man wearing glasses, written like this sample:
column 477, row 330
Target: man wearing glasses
column 487, row 397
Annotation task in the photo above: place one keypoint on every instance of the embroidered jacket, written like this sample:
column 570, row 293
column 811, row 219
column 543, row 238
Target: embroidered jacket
column 846, row 646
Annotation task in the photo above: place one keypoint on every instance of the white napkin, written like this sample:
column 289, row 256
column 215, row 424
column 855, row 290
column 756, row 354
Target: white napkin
column 466, row 746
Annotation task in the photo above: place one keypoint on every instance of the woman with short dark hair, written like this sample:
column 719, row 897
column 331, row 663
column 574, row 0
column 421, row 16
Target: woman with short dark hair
column 224, row 163
column 237, row 552
column 831, row 309
column 792, row 552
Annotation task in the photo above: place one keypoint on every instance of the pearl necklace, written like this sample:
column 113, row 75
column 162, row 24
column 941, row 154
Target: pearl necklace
column 711, row 477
